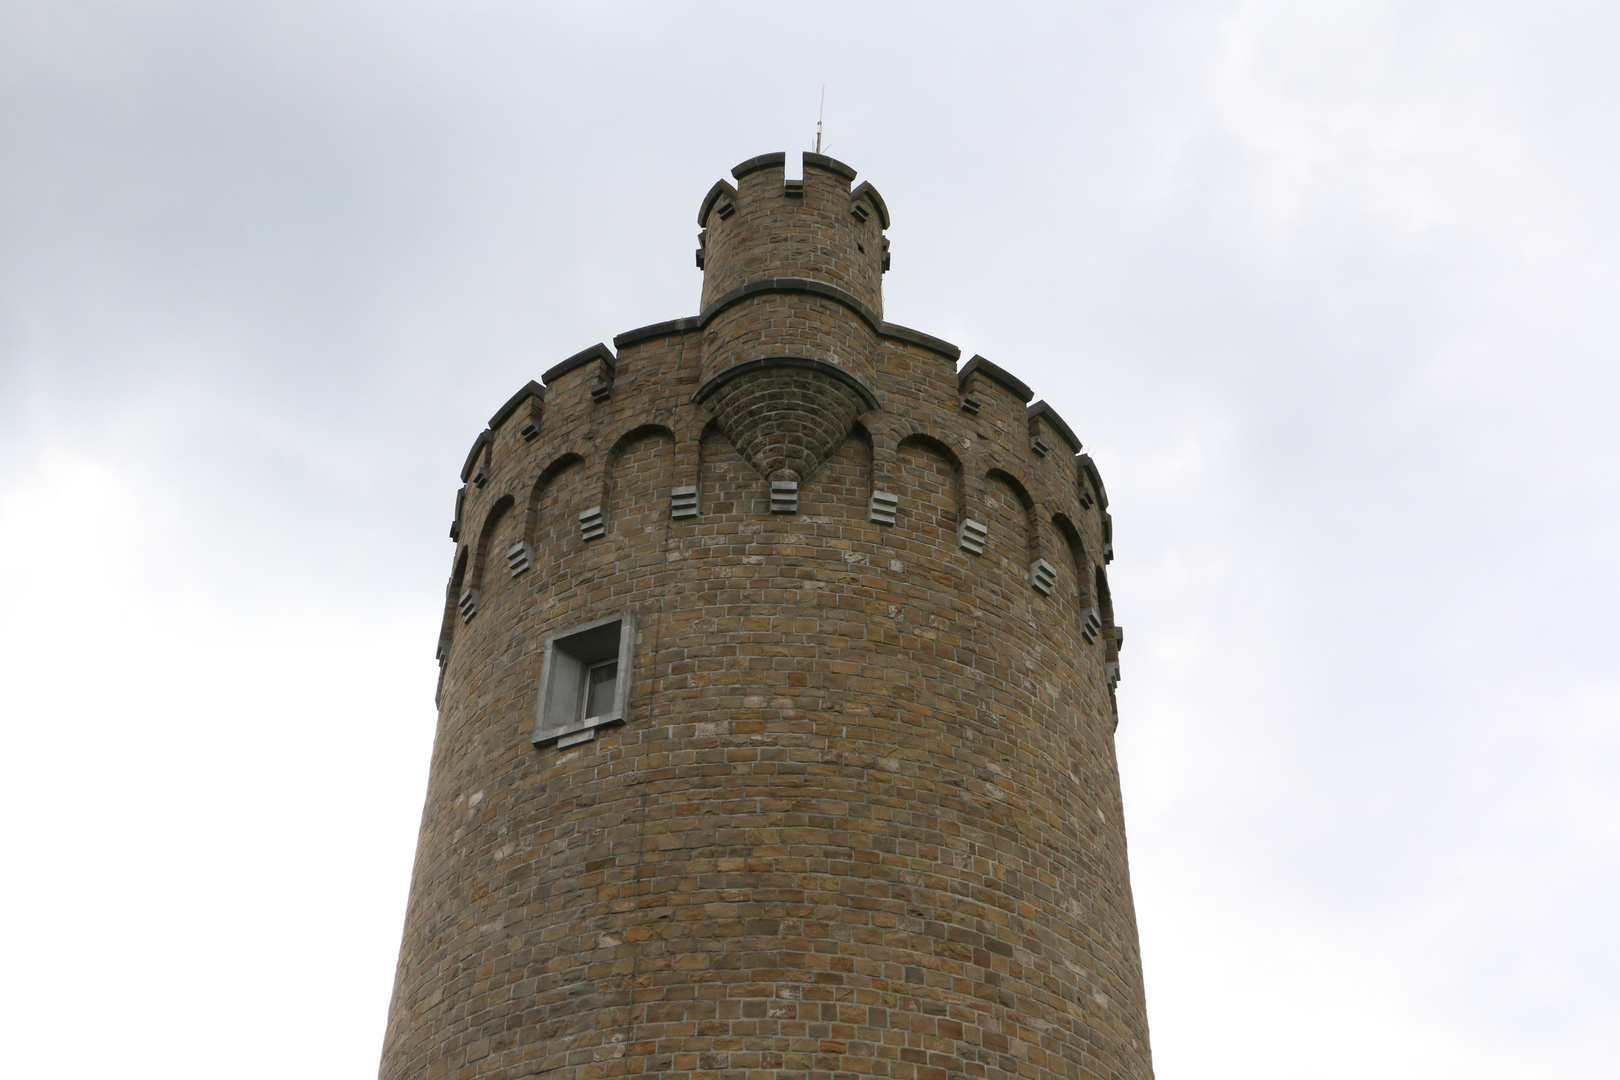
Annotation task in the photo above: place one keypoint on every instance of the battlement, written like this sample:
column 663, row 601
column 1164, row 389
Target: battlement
column 814, row 228
column 791, row 403
column 789, row 370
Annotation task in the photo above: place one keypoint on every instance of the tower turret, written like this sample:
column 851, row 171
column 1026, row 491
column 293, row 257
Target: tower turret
column 815, row 228
column 792, row 310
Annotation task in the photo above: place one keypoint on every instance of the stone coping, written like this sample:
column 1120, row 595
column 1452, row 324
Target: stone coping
column 530, row 389
column 1042, row 411
column 599, row 351
column 996, row 374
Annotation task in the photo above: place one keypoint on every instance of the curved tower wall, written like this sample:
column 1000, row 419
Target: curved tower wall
column 852, row 806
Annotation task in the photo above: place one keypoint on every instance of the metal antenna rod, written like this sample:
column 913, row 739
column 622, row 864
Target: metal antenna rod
column 819, row 114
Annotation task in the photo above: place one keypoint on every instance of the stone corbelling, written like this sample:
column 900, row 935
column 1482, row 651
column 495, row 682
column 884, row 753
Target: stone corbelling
column 810, row 362
column 787, row 419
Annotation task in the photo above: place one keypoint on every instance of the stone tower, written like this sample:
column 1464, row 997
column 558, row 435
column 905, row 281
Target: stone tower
column 776, row 702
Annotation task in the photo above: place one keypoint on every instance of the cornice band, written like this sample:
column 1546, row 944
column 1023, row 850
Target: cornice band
column 791, row 285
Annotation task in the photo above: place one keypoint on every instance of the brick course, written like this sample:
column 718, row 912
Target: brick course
column 863, row 817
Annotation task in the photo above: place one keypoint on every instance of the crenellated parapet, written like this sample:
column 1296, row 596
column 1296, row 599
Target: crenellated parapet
column 817, row 228
column 816, row 365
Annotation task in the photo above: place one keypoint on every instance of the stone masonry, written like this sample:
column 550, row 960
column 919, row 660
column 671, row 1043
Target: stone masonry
column 844, row 803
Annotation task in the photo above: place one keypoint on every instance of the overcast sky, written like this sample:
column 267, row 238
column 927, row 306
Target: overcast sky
column 1329, row 290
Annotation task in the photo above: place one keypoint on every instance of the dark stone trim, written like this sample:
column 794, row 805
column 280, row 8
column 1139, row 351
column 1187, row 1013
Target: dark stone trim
column 916, row 337
column 455, row 522
column 720, row 188
column 530, row 389
column 598, row 351
column 472, row 455
column 787, row 285
column 764, row 161
column 668, row 328
column 995, row 374
column 809, row 362
column 867, row 191
column 1090, row 468
column 1042, row 411
column 832, row 165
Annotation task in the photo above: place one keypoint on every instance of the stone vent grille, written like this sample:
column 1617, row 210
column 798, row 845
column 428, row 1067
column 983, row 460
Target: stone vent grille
column 683, row 502
column 971, row 535
column 784, row 496
column 519, row 557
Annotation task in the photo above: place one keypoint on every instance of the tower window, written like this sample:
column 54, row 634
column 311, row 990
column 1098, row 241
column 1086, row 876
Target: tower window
column 599, row 682
column 584, row 680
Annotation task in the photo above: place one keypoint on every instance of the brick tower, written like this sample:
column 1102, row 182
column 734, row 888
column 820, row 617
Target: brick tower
column 776, row 702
